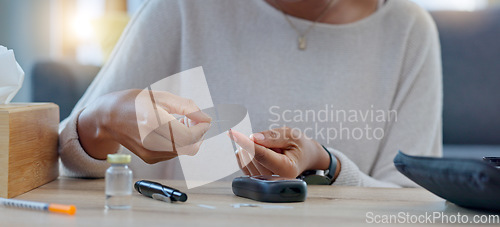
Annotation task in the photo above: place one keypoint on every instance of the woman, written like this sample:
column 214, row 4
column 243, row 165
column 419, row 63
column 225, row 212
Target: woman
column 353, row 59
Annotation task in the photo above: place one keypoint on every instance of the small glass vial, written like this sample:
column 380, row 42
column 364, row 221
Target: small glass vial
column 118, row 182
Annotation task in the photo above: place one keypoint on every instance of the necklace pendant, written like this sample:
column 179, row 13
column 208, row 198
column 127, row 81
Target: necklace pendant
column 302, row 43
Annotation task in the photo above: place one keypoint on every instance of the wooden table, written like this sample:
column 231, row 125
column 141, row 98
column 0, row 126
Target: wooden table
column 212, row 205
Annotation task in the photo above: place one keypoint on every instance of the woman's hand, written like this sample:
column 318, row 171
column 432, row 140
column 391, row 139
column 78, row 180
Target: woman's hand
column 286, row 152
column 142, row 121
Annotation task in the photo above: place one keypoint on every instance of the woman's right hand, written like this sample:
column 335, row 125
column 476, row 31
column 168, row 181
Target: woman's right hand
column 142, row 124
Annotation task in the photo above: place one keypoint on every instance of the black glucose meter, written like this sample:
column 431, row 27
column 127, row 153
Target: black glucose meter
column 274, row 189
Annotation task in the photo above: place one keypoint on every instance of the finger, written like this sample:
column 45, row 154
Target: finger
column 247, row 162
column 150, row 117
column 180, row 134
column 262, row 170
column 182, row 106
column 199, row 116
column 275, row 138
column 231, row 135
column 255, row 165
column 156, row 142
column 271, row 160
column 198, row 131
column 238, row 159
column 190, row 150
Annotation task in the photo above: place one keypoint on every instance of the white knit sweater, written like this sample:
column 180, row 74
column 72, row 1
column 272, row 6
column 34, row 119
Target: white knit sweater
column 387, row 63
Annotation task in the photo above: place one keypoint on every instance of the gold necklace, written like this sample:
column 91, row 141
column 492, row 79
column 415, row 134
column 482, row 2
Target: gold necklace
column 302, row 35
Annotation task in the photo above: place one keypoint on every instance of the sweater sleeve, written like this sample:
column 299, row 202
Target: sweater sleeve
column 75, row 161
column 351, row 175
column 418, row 102
column 141, row 52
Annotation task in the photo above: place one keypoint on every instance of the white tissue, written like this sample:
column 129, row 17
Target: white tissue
column 11, row 75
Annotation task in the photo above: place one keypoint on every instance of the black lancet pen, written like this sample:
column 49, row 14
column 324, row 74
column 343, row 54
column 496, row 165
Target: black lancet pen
column 159, row 192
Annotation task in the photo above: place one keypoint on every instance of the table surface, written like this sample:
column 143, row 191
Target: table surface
column 212, row 205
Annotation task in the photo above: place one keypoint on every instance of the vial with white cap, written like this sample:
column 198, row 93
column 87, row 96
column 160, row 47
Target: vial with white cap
column 118, row 182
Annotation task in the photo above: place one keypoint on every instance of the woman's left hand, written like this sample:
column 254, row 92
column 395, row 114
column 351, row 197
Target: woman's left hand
column 286, row 152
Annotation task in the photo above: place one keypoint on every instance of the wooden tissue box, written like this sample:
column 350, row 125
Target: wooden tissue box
column 28, row 146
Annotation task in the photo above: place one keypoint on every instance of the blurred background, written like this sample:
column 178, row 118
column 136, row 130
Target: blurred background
column 73, row 31
column 62, row 44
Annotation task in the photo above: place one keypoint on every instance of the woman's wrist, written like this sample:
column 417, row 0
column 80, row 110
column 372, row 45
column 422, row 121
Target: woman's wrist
column 94, row 137
column 322, row 161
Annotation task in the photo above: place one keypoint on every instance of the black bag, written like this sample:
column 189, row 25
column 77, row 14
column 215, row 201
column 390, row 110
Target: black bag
column 465, row 182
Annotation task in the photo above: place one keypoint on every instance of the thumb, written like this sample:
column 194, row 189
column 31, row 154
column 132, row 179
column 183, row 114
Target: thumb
column 199, row 130
column 274, row 138
column 198, row 117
